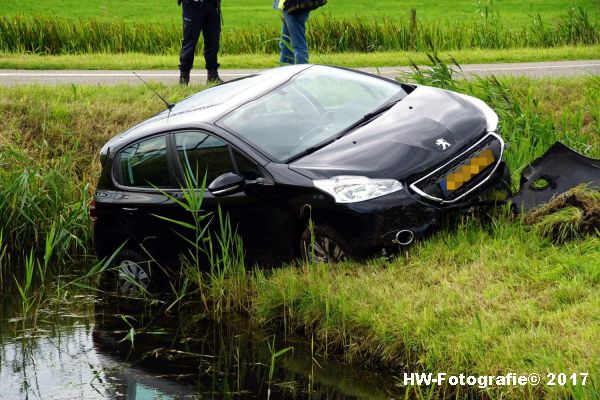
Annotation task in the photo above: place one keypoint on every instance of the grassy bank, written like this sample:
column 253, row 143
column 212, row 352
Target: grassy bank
column 56, row 35
column 488, row 296
column 139, row 61
column 482, row 299
column 257, row 12
column 49, row 144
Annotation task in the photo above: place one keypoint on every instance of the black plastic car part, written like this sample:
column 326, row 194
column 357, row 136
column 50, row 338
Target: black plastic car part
column 557, row 171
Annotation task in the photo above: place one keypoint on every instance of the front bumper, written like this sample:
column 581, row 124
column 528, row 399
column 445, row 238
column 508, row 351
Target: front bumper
column 375, row 223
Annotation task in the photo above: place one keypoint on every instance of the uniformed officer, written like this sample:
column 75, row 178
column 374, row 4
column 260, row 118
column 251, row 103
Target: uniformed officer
column 200, row 16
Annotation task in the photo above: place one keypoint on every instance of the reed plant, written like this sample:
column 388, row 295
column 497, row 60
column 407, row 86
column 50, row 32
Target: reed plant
column 42, row 34
column 2, row 258
column 214, row 266
column 41, row 205
column 37, row 283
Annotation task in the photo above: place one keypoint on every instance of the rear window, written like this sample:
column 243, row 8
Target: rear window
column 144, row 164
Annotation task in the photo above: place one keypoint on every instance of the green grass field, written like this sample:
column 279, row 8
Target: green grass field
column 247, row 13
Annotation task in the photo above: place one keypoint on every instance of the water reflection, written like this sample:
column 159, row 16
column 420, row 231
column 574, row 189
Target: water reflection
column 116, row 348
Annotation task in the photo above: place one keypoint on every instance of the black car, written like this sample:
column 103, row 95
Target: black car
column 372, row 162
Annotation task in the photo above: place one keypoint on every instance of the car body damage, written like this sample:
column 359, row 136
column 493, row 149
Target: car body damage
column 557, row 171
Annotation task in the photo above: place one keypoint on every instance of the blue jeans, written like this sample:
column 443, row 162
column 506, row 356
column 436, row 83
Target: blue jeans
column 294, row 48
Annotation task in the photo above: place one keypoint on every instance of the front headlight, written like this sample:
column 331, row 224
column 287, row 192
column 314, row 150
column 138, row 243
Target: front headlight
column 352, row 189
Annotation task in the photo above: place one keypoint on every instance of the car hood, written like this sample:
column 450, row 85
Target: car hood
column 425, row 129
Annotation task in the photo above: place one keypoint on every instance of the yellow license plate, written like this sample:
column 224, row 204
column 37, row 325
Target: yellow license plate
column 468, row 171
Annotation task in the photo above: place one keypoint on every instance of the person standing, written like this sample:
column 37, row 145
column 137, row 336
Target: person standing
column 200, row 16
column 293, row 44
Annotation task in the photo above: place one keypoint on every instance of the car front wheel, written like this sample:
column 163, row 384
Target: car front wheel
column 323, row 244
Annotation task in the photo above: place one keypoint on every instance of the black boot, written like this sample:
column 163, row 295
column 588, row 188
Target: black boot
column 212, row 77
column 184, row 78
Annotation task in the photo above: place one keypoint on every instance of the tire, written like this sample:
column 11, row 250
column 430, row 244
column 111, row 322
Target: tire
column 132, row 272
column 323, row 244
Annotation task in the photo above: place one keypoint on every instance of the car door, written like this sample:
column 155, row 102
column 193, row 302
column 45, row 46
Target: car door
column 145, row 180
column 202, row 154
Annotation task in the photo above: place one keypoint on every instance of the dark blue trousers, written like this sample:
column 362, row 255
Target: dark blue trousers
column 199, row 17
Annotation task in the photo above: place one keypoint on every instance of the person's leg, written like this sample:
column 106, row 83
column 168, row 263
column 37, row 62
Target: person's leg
column 285, row 43
column 297, row 31
column 211, row 32
column 191, row 32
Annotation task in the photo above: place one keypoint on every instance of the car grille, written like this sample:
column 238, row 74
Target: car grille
column 464, row 173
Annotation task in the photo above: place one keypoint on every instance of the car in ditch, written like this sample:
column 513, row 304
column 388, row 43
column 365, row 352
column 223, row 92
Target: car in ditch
column 330, row 161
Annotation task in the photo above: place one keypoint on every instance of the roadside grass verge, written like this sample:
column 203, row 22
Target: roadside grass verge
column 49, row 146
column 139, row 61
column 42, row 34
column 479, row 299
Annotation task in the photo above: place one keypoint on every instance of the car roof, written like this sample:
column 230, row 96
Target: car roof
column 209, row 105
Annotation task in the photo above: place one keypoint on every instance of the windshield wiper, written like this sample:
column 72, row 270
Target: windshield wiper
column 365, row 118
column 311, row 149
column 369, row 116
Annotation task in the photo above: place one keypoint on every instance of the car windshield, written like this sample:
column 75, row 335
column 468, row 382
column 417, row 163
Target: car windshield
column 313, row 107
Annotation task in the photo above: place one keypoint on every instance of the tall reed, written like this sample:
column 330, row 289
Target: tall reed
column 40, row 200
column 214, row 266
column 54, row 35
column 2, row 258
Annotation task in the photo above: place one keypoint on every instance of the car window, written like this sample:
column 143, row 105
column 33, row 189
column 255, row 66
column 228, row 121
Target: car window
column 144, row 164
column 246, row 168
column 314, row 106
column 200, row 153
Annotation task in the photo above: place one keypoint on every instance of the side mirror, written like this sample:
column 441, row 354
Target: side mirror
column 226, row 184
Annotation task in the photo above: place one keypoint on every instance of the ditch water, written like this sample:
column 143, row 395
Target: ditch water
column 104, row 346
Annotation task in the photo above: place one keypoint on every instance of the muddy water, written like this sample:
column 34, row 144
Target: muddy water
column 110, row 347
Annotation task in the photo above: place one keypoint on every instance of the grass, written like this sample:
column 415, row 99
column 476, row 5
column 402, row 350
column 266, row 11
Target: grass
column 485, row 296
column 139, row 61
column 568, row 216
column 257, row 12
column 39, row 198
column 49, row 145
column 481, row 299
column 55, row 35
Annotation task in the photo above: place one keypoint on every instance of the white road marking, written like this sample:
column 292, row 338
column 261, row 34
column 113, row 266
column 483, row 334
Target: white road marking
column 531, row 67
column 231, row 74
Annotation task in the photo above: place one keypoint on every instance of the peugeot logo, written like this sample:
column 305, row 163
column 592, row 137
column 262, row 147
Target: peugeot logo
column 442, row 143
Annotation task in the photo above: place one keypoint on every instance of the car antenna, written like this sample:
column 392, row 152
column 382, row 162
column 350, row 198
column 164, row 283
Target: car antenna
column 169, row 105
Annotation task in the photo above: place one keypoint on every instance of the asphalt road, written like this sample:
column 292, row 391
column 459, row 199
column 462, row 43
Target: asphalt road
column 97, row 77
